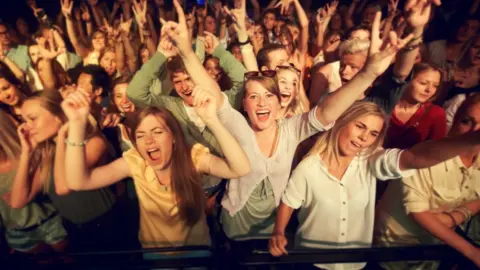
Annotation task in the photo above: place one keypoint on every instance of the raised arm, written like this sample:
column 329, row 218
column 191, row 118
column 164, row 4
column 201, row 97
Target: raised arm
column 238, row 16
column 236, row 163
column 418, row 16
column 178, row 33
column 381, row 54
column 27, row 182
column 430, row 153
column 304, row 31
column 77, row 162
column 80, row 48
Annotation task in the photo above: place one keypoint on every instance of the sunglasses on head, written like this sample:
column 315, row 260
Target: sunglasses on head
column 290, row 67
column 263, row 73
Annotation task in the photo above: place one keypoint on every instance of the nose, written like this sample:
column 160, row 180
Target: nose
column 346, row 71
column 363, row 136
column 149, row 139
column 261, row 102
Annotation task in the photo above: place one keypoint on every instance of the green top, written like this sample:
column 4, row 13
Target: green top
column 139, row 93
column 32, row 214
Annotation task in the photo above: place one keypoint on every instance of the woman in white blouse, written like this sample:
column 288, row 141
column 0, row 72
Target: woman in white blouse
column 435, row 200
column 250, row 202
column 334, row 186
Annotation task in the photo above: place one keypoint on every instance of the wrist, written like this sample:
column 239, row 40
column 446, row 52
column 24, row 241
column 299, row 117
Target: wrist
column 187, row 54
column 368, row 74
column 279, row 232
column 242, row 37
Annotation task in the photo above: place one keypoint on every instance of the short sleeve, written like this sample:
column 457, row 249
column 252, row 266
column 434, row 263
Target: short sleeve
column 294, row 195
column 385, row 164
column 416, row 196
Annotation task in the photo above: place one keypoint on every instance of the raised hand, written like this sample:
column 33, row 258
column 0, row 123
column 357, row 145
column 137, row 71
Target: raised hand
column 284, row 5
column 392, row 7
column 211, row 42
column 202, row 14
column 67, row 6
column 238, row 16
column 140, row 12
column 48, row 54
column 190, row 17
column 381, row 52
column 178, row 32
column 331, row 8
column 125, row 26
column 418, row 12
column 76, row 14
column 277, row 244
column 166, row 47
column 77, row 106
column 85, row 13
column 92, row 2
column 27, row 143
column 205, row 105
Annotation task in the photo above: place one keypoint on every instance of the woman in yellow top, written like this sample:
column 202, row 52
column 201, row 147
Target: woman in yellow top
column 165, row 170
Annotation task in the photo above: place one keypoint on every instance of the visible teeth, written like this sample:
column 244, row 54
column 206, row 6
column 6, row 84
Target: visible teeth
column 263, row 111
column 152, row 150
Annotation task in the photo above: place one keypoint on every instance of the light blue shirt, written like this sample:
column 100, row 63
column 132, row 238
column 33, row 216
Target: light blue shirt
column 19, row 55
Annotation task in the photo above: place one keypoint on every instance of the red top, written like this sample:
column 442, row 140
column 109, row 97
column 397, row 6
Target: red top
column 431, row 126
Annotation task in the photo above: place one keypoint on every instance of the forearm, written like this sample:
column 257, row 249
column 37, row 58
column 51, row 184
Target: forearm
column 151, row 28
column 130, row 54
column 404, row 64
column 89, row 25
column 59, row 42
column 127, row 10
column 429, row 153
column 47, row 76
column 349, row 17
column 18, row 72
column 304, row 31
column 200, row 76
column 81, row 33
column 21, row 187
column 436, row 228
column 79, row 48
column 97, row 16
column 339, row 101
column 75, row 156
column 120, row 55
column 59, row 173
column 235, row 157
column 283, row 217
column 455, row 218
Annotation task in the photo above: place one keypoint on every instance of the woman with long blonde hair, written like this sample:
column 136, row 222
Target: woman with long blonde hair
column 87, row 215
column 335, row 184
column 36, row 226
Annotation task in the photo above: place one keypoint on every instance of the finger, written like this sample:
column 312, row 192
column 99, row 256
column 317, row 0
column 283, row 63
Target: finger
column 405, row 41
column 163, row 21
column 243, row 5
column 181, row 14
column 283, row 245
column 227, row 10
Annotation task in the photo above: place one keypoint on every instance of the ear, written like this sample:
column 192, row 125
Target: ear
column 98, row 92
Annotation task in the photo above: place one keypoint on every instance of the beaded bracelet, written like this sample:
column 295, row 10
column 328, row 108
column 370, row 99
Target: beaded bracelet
column 81, row 144
column 464, row 211
column 451, row 217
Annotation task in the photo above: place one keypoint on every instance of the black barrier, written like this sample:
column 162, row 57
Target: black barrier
column 134, row 259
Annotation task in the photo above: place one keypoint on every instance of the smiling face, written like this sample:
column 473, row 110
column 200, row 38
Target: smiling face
column 359, row 134
column 183, row 85
column 269, row 20
column 288, row 83
column 121, row 100
column 9, row 93
column 40, row 123
column 424, row 85
column 154, row 142
column 109, row 62
column 99, row 41
column 351, row 64
column 261, row 106
column 213, row 68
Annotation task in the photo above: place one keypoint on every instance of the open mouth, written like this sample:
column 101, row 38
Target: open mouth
column 356, row 145
column 285, row 95
column 188, row 93
column 154, row 154
column 127, row 107
column 263, row 115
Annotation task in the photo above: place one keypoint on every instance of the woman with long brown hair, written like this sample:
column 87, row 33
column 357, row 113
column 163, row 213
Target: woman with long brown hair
column 166, row 172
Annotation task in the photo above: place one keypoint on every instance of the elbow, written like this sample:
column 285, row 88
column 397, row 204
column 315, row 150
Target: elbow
column 17, row 203
column 242, row 171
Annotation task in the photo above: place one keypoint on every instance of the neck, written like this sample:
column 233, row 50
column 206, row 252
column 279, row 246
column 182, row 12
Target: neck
column 266, row 132
column 164, row 176
column 469, row 158
column 407, row 104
